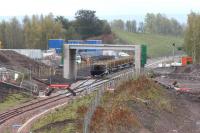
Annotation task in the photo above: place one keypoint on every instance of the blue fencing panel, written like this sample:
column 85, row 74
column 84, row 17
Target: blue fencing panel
column 56, row 44
column 95, row 51
column 75, row 42
column 90, row 51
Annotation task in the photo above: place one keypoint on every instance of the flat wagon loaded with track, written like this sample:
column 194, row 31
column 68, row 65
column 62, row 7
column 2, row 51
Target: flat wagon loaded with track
column 105, row 67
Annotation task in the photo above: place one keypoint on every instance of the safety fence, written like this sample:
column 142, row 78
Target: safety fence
column 13, row 79
column 11, row 76
column 38, row 70
column 109, row 85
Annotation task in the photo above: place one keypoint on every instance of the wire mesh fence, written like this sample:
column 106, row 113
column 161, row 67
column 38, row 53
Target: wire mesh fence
column 11, row 76
column 110, row 85
column 16, row 79
column 30, row 87
column 37, row 70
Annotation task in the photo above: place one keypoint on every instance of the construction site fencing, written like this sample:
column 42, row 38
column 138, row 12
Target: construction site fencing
column 11, row 76
column 29, row 87
column 109, row 85
column 42, row 71
column 16, row 80
column 39, row 71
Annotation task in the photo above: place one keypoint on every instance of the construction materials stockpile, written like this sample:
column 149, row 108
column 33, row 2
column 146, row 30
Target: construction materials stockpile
column 13, row 60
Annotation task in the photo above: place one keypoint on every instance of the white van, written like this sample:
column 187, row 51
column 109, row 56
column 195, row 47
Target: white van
column 78, row 59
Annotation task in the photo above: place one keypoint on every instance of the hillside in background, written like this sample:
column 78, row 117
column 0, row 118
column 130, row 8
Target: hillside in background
column 157, row 45
column 108, row 39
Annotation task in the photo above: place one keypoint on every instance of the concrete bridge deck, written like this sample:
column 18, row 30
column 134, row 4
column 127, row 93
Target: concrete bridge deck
column 70, row 68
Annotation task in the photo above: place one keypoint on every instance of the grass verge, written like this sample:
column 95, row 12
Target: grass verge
column 13, row 100
column 64, row 120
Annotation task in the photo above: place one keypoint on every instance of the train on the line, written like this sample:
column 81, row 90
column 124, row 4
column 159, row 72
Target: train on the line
column 105, row 67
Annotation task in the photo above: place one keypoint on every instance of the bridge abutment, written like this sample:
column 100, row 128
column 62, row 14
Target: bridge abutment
column 137, row 59
column 69, row 67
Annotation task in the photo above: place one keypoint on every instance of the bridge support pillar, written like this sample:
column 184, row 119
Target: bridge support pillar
column 69, row 66
column 137, row 59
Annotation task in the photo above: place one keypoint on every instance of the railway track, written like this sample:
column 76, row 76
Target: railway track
column 10, row 114
column 41, row 103
column 6, row 116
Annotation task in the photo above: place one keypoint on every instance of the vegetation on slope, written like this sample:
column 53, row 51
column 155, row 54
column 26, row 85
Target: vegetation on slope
column 64, row 120
column 135, row 105
column 13, row 100
column 157, row 45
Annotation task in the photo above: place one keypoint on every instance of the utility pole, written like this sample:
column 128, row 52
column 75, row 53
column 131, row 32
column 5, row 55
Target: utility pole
column 30, row 67
column 0, row 45
column 173, row 50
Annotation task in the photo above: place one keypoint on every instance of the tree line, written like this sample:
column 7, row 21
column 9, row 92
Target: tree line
column 192, row 36
column 153, row 23
column 34, row 31
column 85, row 25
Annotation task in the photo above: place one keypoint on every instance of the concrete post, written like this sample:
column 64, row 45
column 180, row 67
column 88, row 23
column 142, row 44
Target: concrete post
column 69, row 66
column 137, row 59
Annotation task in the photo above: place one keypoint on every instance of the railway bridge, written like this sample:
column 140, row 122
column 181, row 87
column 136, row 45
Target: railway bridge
column 70, row 68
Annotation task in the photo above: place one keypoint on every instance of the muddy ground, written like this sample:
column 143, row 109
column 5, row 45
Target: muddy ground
column 187, row 103
column 185, row 117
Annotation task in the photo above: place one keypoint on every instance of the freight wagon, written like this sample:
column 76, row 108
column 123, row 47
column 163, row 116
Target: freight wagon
column 104, row 68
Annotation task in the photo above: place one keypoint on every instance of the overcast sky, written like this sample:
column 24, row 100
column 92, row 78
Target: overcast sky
column 104, row 8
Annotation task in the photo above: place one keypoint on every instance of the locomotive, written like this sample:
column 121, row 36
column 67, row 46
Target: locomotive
column 103, row 68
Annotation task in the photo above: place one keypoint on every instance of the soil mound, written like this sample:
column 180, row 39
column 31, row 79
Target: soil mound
column 12, row 58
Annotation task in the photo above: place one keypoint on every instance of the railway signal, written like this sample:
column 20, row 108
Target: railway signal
column 143, row 55
column 173, row 50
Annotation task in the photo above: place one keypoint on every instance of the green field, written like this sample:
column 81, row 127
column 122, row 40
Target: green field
column 157, row 45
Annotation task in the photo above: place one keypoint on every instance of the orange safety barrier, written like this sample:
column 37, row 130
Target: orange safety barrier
column 186, row 60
